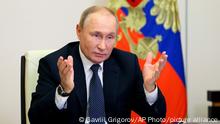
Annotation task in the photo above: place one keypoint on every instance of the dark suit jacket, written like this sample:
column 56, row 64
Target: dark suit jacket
column 122, row 85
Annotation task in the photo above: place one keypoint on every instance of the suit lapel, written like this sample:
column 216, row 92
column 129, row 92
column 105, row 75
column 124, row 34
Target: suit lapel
column 79, row 78
column 110, row 80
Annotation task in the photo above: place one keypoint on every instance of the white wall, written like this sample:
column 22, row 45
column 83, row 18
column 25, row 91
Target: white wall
column 42, row 24
column 28, row 25
column 203, row 53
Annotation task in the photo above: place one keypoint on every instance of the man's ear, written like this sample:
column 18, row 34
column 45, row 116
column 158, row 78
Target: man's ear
column 78, row 31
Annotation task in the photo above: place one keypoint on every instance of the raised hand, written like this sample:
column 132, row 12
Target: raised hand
column 151, row 72
column 66, row 72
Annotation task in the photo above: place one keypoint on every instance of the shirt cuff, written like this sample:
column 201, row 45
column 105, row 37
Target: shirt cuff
column 151, row 96
column 60, row 101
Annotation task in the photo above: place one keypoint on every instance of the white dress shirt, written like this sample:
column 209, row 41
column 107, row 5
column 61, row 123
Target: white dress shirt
column 61, row 101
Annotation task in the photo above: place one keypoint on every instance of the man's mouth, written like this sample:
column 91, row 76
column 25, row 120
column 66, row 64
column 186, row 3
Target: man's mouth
column 100, row 54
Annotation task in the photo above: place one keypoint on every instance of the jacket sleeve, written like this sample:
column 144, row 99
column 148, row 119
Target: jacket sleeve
column 140, row 104
column 43, row 108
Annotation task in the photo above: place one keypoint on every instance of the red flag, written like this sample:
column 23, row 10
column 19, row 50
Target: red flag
column 153, row 25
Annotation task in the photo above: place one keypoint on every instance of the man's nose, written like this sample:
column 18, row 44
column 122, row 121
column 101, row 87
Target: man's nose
column 102, row 45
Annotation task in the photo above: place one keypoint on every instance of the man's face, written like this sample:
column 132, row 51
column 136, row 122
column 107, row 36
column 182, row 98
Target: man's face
column 97, row 36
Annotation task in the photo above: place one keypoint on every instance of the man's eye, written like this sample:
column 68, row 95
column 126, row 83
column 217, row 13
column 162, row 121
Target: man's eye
column 95, row 35
column 111, row 37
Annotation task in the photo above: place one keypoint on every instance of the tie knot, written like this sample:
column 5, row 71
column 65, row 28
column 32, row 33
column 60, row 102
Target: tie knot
column 95, row 68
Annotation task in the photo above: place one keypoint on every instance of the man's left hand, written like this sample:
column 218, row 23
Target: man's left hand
column 151, row 72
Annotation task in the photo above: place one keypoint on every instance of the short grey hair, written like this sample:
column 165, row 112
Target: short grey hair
column 94, row 9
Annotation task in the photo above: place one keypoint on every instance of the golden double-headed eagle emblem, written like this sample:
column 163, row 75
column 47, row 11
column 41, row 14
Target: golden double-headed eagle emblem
column 166, row 13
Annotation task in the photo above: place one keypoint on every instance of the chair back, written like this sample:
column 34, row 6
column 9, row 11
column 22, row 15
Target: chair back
column 29, row 76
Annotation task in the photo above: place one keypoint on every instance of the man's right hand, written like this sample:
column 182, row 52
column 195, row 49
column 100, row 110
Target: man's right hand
column 66, row 72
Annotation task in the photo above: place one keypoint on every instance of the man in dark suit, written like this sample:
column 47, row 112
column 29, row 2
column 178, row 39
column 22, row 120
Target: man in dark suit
column 67, row 90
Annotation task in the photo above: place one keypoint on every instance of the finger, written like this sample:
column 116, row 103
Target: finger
column 164, row 55
column 156, row 66
column 62, row 66
column 162, row 61
column 149, row 58
column 70, row 72
column 157, row 70
column 67, row 69
column 71, row 62
column 157, row 74
column 70, row 59
column 60, row 59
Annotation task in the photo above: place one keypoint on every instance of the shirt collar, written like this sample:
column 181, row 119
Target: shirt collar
column 86, row 62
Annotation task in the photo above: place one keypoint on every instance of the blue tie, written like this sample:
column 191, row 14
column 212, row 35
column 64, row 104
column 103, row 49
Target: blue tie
column 96, row 98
